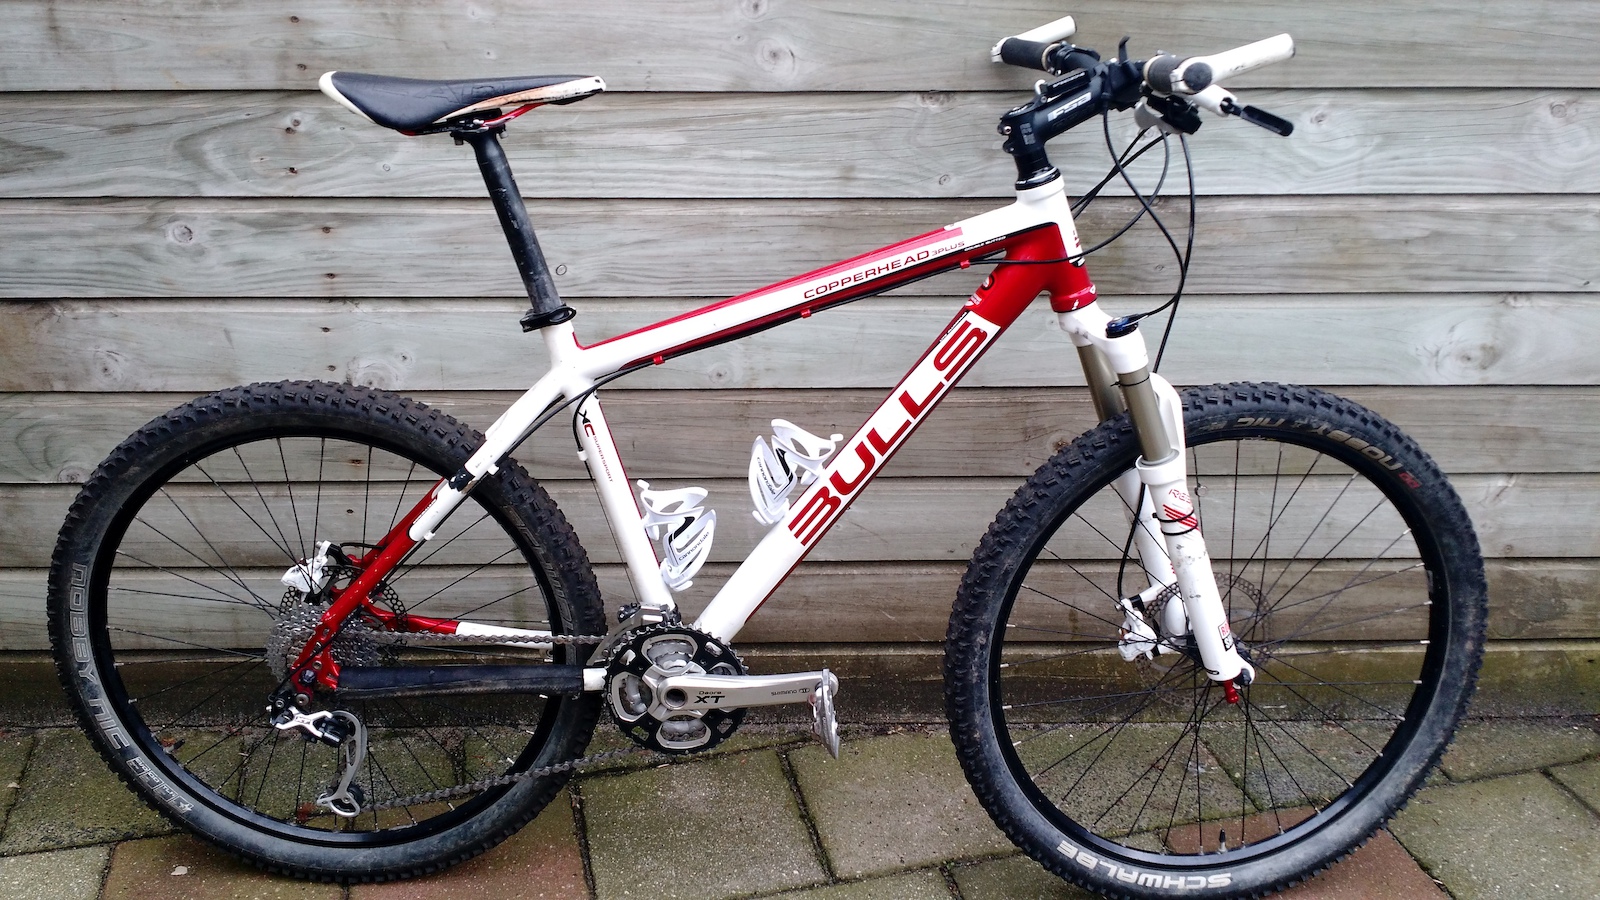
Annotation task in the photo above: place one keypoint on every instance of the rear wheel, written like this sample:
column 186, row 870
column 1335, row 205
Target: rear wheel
column 171, row 627
column 1353, row 582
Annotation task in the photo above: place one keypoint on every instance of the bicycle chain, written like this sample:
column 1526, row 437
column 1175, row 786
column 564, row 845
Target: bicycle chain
column 462, row 790
column 395, row 637
column 494, row 781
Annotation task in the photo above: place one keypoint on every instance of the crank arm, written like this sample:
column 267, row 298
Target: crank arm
column 689, row 692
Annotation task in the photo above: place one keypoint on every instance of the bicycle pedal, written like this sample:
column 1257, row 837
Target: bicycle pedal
column 824, row 724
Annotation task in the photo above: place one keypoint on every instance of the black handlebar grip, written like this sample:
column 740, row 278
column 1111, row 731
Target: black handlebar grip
column 1158, row 72
column 1027, row 54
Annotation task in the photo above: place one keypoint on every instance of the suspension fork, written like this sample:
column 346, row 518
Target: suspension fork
column 1117, row 367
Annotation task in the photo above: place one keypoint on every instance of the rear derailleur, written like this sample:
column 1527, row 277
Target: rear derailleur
column 336, row 728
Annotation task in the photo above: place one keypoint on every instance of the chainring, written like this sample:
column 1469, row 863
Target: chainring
column 659, row 651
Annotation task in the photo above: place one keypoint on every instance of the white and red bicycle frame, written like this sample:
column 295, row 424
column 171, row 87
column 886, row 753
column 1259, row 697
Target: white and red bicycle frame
column 1035, row 234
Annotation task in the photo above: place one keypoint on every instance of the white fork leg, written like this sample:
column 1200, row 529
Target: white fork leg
column 1156, row 408
column 1170, row 502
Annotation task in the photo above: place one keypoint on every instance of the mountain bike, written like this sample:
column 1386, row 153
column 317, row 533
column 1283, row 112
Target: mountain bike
column 1206, row 650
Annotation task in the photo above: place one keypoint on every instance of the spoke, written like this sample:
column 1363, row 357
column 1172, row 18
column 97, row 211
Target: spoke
column 266, row 772
column 1308, row 751
column 1103, row 641
column 434, row 548
column 288, row 486
column 1030, row 588
column 300, row 780
column 142, row 698
column 1304, row 794
column 1280, row 606
column 176, row 596
column 366, row 495
column 1096, row 711
column 1079, row 572
column 231, row 575
column 1098, row 648
column 1094, row 697
column 229, row 598
column 1337, row 625
column 1329, row 602
column 1341, row 647
column 452, row 584
column 1274, row 515
column 1114, row 730
column 283, row 544
column 374, row 763
column 531, row 587
column 203, row 701
column 401, row 497
column 1290, row 686
column 1324, row 558
column 1312, row 532
column 316, row 509
column 1161, row 767
column 259, row 657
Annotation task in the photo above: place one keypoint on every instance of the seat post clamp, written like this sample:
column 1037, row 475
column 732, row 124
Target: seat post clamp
column 533, row 319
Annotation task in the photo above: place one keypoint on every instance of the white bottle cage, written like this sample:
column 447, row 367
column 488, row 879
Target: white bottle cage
column 681, row 527
column 309, row 575
column 796, row 457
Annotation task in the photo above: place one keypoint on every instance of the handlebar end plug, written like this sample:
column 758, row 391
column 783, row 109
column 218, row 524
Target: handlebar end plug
column 1197, row 77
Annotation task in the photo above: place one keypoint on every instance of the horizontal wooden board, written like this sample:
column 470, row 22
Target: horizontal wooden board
column 765, row 44
column 926, row 520
column 355, row 248
column 424, row 345
column 700, row 146
column 910, row 602
column 48, row 438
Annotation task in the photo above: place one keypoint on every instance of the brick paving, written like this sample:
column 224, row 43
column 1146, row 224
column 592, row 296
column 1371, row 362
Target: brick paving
column 1514, row 812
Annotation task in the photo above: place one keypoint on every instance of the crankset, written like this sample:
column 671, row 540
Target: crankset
column 674, row 689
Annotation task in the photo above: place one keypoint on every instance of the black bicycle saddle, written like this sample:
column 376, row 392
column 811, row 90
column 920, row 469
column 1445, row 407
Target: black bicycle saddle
column 412, row 104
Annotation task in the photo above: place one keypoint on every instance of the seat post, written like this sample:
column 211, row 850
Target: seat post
column 547, row 306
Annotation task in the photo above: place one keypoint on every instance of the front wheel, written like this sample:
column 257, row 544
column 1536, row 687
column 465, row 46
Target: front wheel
column 1353, row 582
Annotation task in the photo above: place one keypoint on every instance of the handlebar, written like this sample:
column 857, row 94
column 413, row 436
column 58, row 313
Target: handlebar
column 1164, row 79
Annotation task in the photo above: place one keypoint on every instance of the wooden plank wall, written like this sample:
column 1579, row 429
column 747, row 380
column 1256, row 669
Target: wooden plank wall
column 181, row 211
